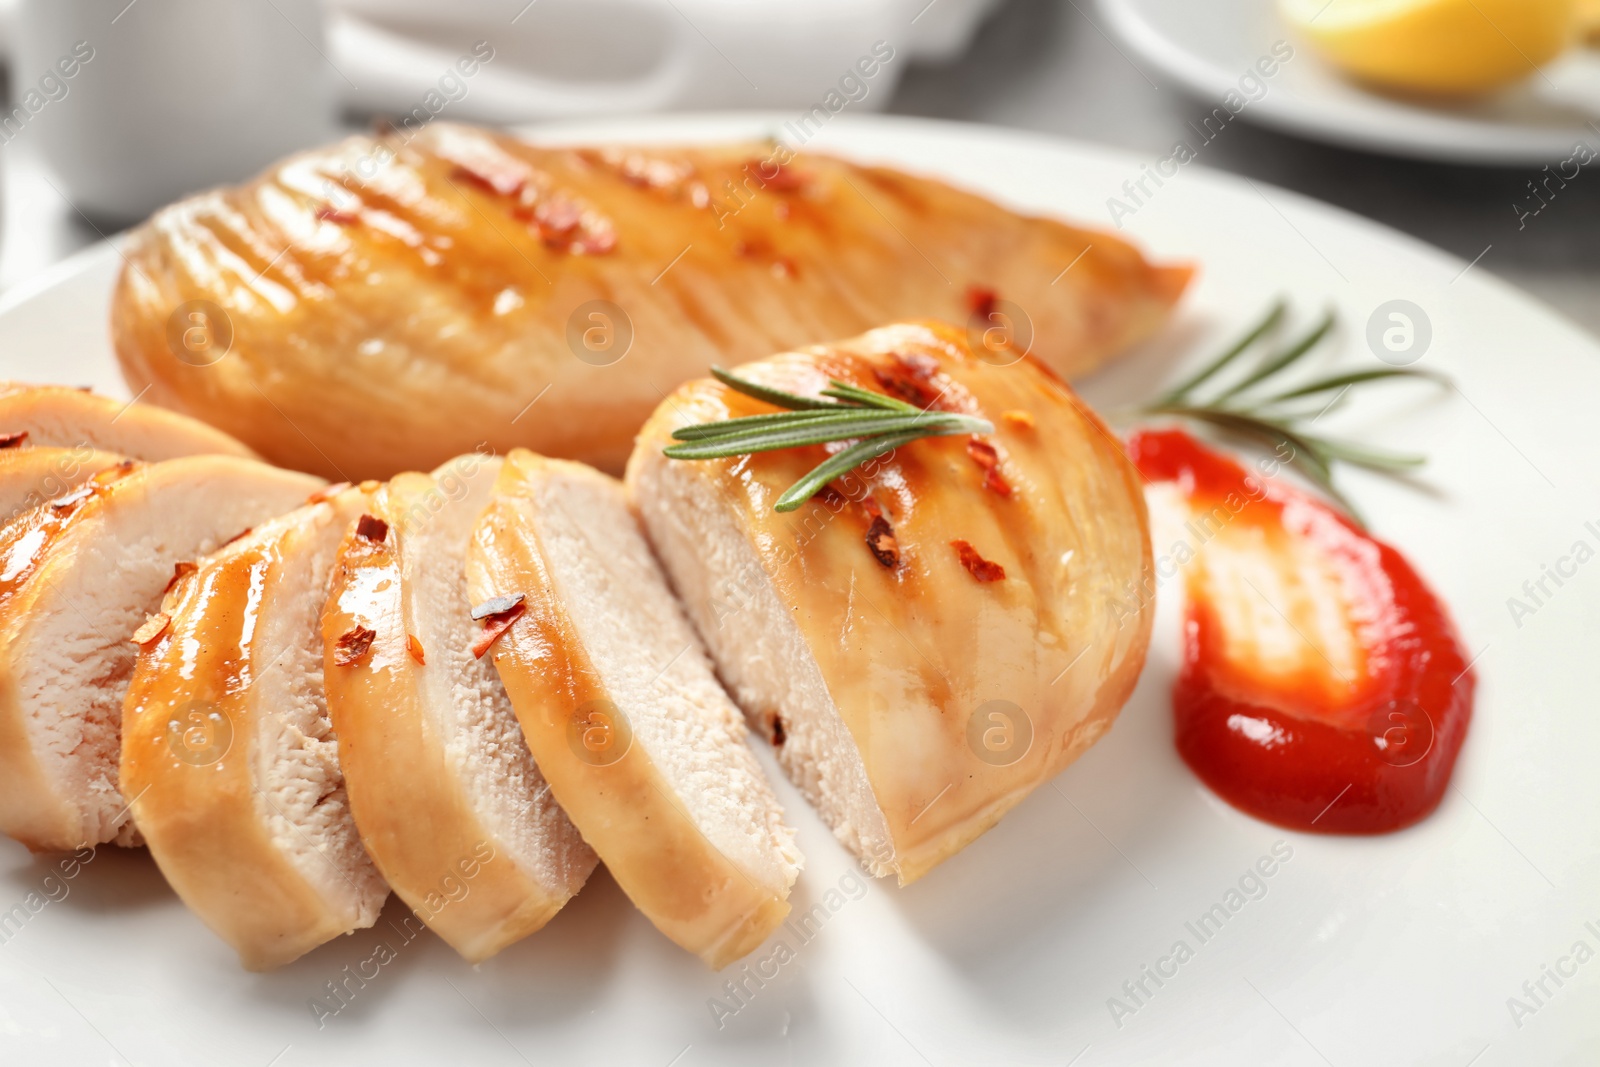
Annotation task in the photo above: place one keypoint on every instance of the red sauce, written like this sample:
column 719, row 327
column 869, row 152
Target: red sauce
column 1323, row 686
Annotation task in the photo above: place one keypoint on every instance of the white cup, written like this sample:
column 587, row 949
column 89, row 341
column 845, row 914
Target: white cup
column 135, row 104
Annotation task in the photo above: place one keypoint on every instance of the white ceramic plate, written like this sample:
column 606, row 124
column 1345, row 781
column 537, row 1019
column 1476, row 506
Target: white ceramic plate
column 1207, row 47
column 1400, row 949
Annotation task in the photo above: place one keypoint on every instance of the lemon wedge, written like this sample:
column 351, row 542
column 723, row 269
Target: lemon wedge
column 1589, row 20
column 1445, row 47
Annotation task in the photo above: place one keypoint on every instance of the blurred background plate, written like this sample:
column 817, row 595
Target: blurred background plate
column 1400, row 949
column 1207, row 47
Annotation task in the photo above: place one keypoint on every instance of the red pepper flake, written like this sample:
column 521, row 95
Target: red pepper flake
column 372, row 528
column 353, row 646
column 497, row 605
column 910, row 379
column 556, row 219
column 329, row 213
column 327, row 492
column 597, row 240
column 983, row 453
column 501, row 183
column 976, row 565
column 494, row 626
column 180, row 570
column 981, row 301
column 870, row 505
column 776, row 176
column 775, row 729
column 882, row 543
column 154, row 626
column 13, row 440
column 414, row 649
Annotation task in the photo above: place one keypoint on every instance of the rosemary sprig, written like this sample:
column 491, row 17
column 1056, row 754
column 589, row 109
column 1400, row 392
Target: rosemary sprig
column 874, row 422
column 1246, row 409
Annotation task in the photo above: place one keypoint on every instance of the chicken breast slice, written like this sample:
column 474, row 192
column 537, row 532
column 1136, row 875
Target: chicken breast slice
column 31, row 476
column 443, row 787
column 228, row 755
column 940, row 630
column 66, row 417
column 78, row 577
column 617, row 700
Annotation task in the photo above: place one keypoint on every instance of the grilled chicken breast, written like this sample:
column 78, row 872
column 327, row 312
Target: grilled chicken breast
column 386, row 303
column 940, row 630
column 228, row 759
column 445, row 792
column 72, row 418
column 639, row 742
column 78, row 577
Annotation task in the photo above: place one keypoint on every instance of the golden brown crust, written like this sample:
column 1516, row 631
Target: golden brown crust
column 1010, row 556
column 391, row 304
column 624, row 806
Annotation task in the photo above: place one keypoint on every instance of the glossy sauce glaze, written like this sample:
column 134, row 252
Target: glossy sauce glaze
column 23, row 540
column 1323, row 685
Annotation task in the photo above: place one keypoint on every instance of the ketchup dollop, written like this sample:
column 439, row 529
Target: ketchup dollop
column 1323, row 686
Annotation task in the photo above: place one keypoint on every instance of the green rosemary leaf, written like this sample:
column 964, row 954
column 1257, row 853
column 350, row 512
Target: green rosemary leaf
column 1262, row 418
column 1273, row 364
column 875, row 422
column 1373, row 458
column 1340, row 381
column 1304, row 452
column 856, row 394
column 777, row 420
column 1183, row 389
column 775, row 397
column 817, row 432
column 839, row 463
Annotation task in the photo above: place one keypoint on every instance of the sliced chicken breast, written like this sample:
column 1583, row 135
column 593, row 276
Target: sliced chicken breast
column 228, row 757
column 940, row 630
column 30, row 476
column 447, row 796
column 617, row 700
column 66, row 417
column 78, row 577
